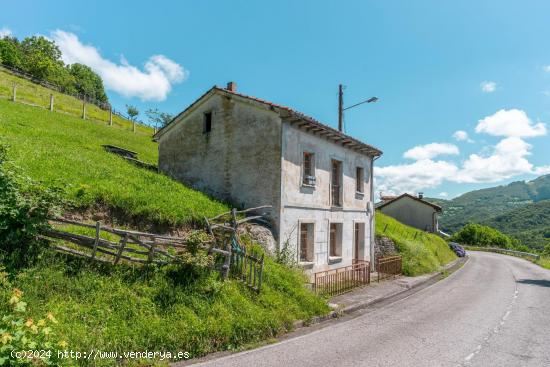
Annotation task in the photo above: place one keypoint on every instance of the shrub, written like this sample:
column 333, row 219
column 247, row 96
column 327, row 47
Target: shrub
column 20, row 333
column 478, row 235
column 24, row 210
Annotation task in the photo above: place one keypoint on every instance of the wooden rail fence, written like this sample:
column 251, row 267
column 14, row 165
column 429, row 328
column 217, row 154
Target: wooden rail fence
column 131, row 246
column 390, row 266
column 340, row 280
column 112, row 245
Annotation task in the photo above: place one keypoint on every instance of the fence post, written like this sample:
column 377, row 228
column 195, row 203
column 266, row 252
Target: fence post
column 110, row 115
column 134, row 126
column 14, row 96
column 84, row 110
column 51, row 102
column 96, row 243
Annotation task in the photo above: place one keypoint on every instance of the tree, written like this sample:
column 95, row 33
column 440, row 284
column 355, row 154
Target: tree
column 158, row 118
column 133, row 113
column 87, row 82
column 41, row 57
column 10, row 52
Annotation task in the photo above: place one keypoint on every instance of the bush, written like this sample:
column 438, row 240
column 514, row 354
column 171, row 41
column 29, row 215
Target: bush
column 477, row 235
column 24, row 211
column 20, row 333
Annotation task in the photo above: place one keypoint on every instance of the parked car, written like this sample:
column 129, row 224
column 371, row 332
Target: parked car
column 459, row 250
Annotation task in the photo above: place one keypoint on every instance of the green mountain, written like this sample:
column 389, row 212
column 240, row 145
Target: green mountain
column 520, row 209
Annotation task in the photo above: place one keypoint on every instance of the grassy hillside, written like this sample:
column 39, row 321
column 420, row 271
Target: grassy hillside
column 65, row 151
column 159, row 309
column 34, row 94
column 125, row 308
column 422, row 252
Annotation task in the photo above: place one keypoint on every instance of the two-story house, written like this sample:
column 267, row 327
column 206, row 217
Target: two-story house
column 251, row 152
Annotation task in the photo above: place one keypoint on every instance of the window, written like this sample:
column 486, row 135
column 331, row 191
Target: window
column 306, row 242
column 360, row 179
column 336, row 183
column 207, row 127
column 335, row 240
column 308, row 169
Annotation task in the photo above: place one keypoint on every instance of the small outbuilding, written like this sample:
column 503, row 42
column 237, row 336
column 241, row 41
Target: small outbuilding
column 412, row 210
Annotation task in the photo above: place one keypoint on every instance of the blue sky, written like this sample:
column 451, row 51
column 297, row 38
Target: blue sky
column 426, row 61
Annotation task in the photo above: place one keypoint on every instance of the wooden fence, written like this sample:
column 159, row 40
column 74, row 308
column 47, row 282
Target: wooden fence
column 340, row 280
column 240, row 263
column 114, row 245
column 390, row 266
column 48, row 101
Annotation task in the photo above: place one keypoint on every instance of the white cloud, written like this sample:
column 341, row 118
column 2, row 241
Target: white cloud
column 507, row 160
column 412, row 177
column 443, row 194
column 546, row 68
column 4, row 31
column 510, row 123
column 461, row 135
column 503, row 161
column 430, row 151
column 488, row 87
column 152, row 83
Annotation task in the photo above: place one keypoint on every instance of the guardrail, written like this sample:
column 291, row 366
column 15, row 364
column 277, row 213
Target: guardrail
column 503, row 251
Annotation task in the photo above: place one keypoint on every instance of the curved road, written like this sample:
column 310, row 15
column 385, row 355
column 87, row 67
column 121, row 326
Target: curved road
column 495, row 311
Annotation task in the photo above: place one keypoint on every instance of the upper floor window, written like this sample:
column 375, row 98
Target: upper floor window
column 360, row 179
column 336, row 183
column 207, row 124
column 308, row 169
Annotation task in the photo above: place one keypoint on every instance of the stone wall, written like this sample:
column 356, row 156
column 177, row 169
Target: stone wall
column 383, row 246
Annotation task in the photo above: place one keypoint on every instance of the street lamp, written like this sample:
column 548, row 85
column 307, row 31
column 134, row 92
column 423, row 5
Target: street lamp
column 341, row 108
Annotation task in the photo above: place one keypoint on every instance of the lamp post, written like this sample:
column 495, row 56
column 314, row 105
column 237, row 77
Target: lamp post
column 341, row 108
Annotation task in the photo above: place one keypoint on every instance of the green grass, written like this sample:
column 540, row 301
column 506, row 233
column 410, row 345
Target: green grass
column 544, row 262
column 160, row 309
column 422, row 252
column 31, row 93
column 64, row 151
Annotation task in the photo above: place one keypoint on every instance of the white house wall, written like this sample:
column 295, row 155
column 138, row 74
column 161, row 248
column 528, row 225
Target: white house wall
column 411, row 212
column 301, row 203
column 238, row 161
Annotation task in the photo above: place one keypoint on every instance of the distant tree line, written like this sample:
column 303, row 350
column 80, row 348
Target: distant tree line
column 41, row 58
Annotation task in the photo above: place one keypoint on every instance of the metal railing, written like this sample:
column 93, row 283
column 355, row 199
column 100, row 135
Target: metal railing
column 503, row 251
column 390, row 266
column 340, row 280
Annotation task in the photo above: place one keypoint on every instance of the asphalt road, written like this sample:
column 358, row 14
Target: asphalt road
column 495, row 311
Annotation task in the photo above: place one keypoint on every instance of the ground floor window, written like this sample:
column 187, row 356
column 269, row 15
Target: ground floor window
column 306, row 242
column 335, row 240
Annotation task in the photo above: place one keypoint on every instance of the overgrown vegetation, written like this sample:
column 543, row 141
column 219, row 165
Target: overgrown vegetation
column 478, row 235
column 63, row 151
column 422, row 252
column 41, row 58
column 24, row 209
column 175, row 308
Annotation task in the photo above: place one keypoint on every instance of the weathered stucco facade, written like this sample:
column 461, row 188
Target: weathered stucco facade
column 413, row 211
column 251, row 153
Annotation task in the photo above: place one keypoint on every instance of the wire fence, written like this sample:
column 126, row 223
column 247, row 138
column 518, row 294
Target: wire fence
column 41, row 93
column 405, row 233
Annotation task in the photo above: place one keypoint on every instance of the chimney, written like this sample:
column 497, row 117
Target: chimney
column 421, row 195
column 231, row 86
